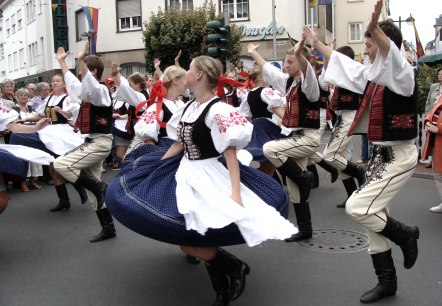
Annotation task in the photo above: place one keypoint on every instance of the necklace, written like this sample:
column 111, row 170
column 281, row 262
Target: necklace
column 204, row 100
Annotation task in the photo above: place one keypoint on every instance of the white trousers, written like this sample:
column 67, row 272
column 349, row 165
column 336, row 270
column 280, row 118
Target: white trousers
column 87, row 157
column 299, row 148
column 388, row 171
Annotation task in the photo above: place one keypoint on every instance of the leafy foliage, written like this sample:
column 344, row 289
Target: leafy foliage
column 426, row 76
column 167, row 32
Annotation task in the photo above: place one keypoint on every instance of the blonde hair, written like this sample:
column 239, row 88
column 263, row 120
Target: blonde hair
column 22, row 91
column 211, row 67
column 172, row 73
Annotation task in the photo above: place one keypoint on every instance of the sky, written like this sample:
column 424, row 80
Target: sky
column 424, row 12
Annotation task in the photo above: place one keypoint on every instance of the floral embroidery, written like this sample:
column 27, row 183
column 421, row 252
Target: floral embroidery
column 336, row 130
column 405, row 121
column 4, row 109
column 381, row 158
column 312, row 114
column 149, row 117
column 234, row 118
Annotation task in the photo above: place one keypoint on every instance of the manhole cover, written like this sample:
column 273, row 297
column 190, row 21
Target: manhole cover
column 336, row 241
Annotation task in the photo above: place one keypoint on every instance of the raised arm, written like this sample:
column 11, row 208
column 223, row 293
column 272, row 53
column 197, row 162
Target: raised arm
column 303, row 63
column 252, row 49
column 312, row 38
column 80, row 58
column 116, row 74
column 177, row 59
column 61, row 58
column 376, row 32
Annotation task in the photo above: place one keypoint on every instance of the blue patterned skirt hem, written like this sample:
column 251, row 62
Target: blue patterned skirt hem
column 13, row 165
column 264, row 131
column 142, row 197
column 31, row 140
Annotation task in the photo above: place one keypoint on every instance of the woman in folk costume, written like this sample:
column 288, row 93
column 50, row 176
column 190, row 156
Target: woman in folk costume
column 164, row 101
column 132, row 91
column 57, row 138
column 433, row 146
column 15, row 158
column 211, row 206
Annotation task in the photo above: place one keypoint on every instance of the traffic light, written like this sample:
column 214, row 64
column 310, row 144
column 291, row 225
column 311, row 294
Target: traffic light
column 221, row 38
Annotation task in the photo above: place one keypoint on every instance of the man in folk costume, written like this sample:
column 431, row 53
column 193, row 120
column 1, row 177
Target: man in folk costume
column 302, row 116
column 388, row 112
column 345, row 104
column 82, row 165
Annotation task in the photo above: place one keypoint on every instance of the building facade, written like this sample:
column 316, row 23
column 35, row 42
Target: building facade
column 31, row 30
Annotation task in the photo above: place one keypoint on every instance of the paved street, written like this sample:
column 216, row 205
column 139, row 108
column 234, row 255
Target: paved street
column 46, row 259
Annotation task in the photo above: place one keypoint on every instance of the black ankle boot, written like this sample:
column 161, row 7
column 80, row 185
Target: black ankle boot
column 387, row 285
column 355, row 171
column 97, row 187
column 82, row 193
column 220, row 283
column 301, row 178
column 329, row 168
column 236, row 271
column 63, row 197
column 404, row 236
column 107, row 224
column 315, row 180
column 304, row 221
column 350, row 187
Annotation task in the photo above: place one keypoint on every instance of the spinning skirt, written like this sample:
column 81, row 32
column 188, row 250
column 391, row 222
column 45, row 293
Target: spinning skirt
column 264, row 131
column 143, row 198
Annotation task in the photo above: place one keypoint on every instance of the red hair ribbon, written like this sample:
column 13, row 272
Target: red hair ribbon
column 157, row 93
column 226, row 81
column 248, row 84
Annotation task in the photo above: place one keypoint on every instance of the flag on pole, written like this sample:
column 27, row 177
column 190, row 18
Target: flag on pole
column 92, row 19
column 419, row 49
column 312, row 3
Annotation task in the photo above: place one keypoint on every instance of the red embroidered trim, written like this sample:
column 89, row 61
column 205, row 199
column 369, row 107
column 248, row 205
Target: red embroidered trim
column 235, row 118
column 291, row 114
column 376, row 124
column 312, row 114
column 4, row 109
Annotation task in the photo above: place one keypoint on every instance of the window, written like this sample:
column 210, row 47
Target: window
column 236, row 9
column 1, row 25
column 30, row 10
column 129, row 15
column 185, row 5
column 2, row 52
column 15, row 55
column 329, row 17
column 128, row 69
column 81, row 25
column 21, row 56
column 32, row 53
column 19, row 20
column 10, row 63
column 7, row 26
column 355, row 32
column 13, row 23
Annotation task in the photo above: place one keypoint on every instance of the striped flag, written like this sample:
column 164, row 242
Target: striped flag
column 419, row 49
column 92, row 19
column 312, row 3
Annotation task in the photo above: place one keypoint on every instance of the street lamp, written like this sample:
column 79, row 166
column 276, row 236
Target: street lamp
column 408, row 21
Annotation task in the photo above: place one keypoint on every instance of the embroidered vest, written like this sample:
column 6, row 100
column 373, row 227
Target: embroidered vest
column 323, row 98
column 344, row 99
column 391, row 116
column 50, row 112
column 196, row 137
column 132, row 117
column 299, row 111
column 258, row 108
column 93, row 119
column 167, row 114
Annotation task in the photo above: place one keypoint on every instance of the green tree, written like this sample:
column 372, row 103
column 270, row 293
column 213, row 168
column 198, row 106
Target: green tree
column 167, row 32
column 426, row 76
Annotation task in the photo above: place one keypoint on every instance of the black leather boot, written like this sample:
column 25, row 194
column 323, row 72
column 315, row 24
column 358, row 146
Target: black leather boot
column 82, row 193
column 220, row 283
column 63, row 197
column 387, row 285
column 107, row 224
column 355, row 171
column 404, row 236
column 329, row 168
column 97, row 187
column 301, row 178
column 304, row 221
column 315, row 180
column 236, row 271
column 350, row 187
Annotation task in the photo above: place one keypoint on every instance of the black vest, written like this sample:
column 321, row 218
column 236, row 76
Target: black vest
column 94, row 119
column 258, row 108
column 167, row 114
column 344, row 99
column 196, row 137
column 50, row 112
column 323, row 98
column 132, row 117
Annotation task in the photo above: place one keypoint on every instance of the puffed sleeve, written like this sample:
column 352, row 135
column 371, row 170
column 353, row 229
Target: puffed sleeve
column 273, row 98
column 127, row 94
column 228, row 127
column 73, row 86
column 41, row 108
column 173, row 122
column 71, row 106
column 244, row 107
column 94, row 92
column 7, row 116
column 147, row 126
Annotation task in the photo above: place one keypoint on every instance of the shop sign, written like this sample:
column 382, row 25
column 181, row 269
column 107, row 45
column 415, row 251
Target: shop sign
column 259, row 33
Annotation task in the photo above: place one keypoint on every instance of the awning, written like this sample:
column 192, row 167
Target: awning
column 431, row 58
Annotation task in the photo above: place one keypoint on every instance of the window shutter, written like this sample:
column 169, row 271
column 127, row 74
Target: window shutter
column 129, row 8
